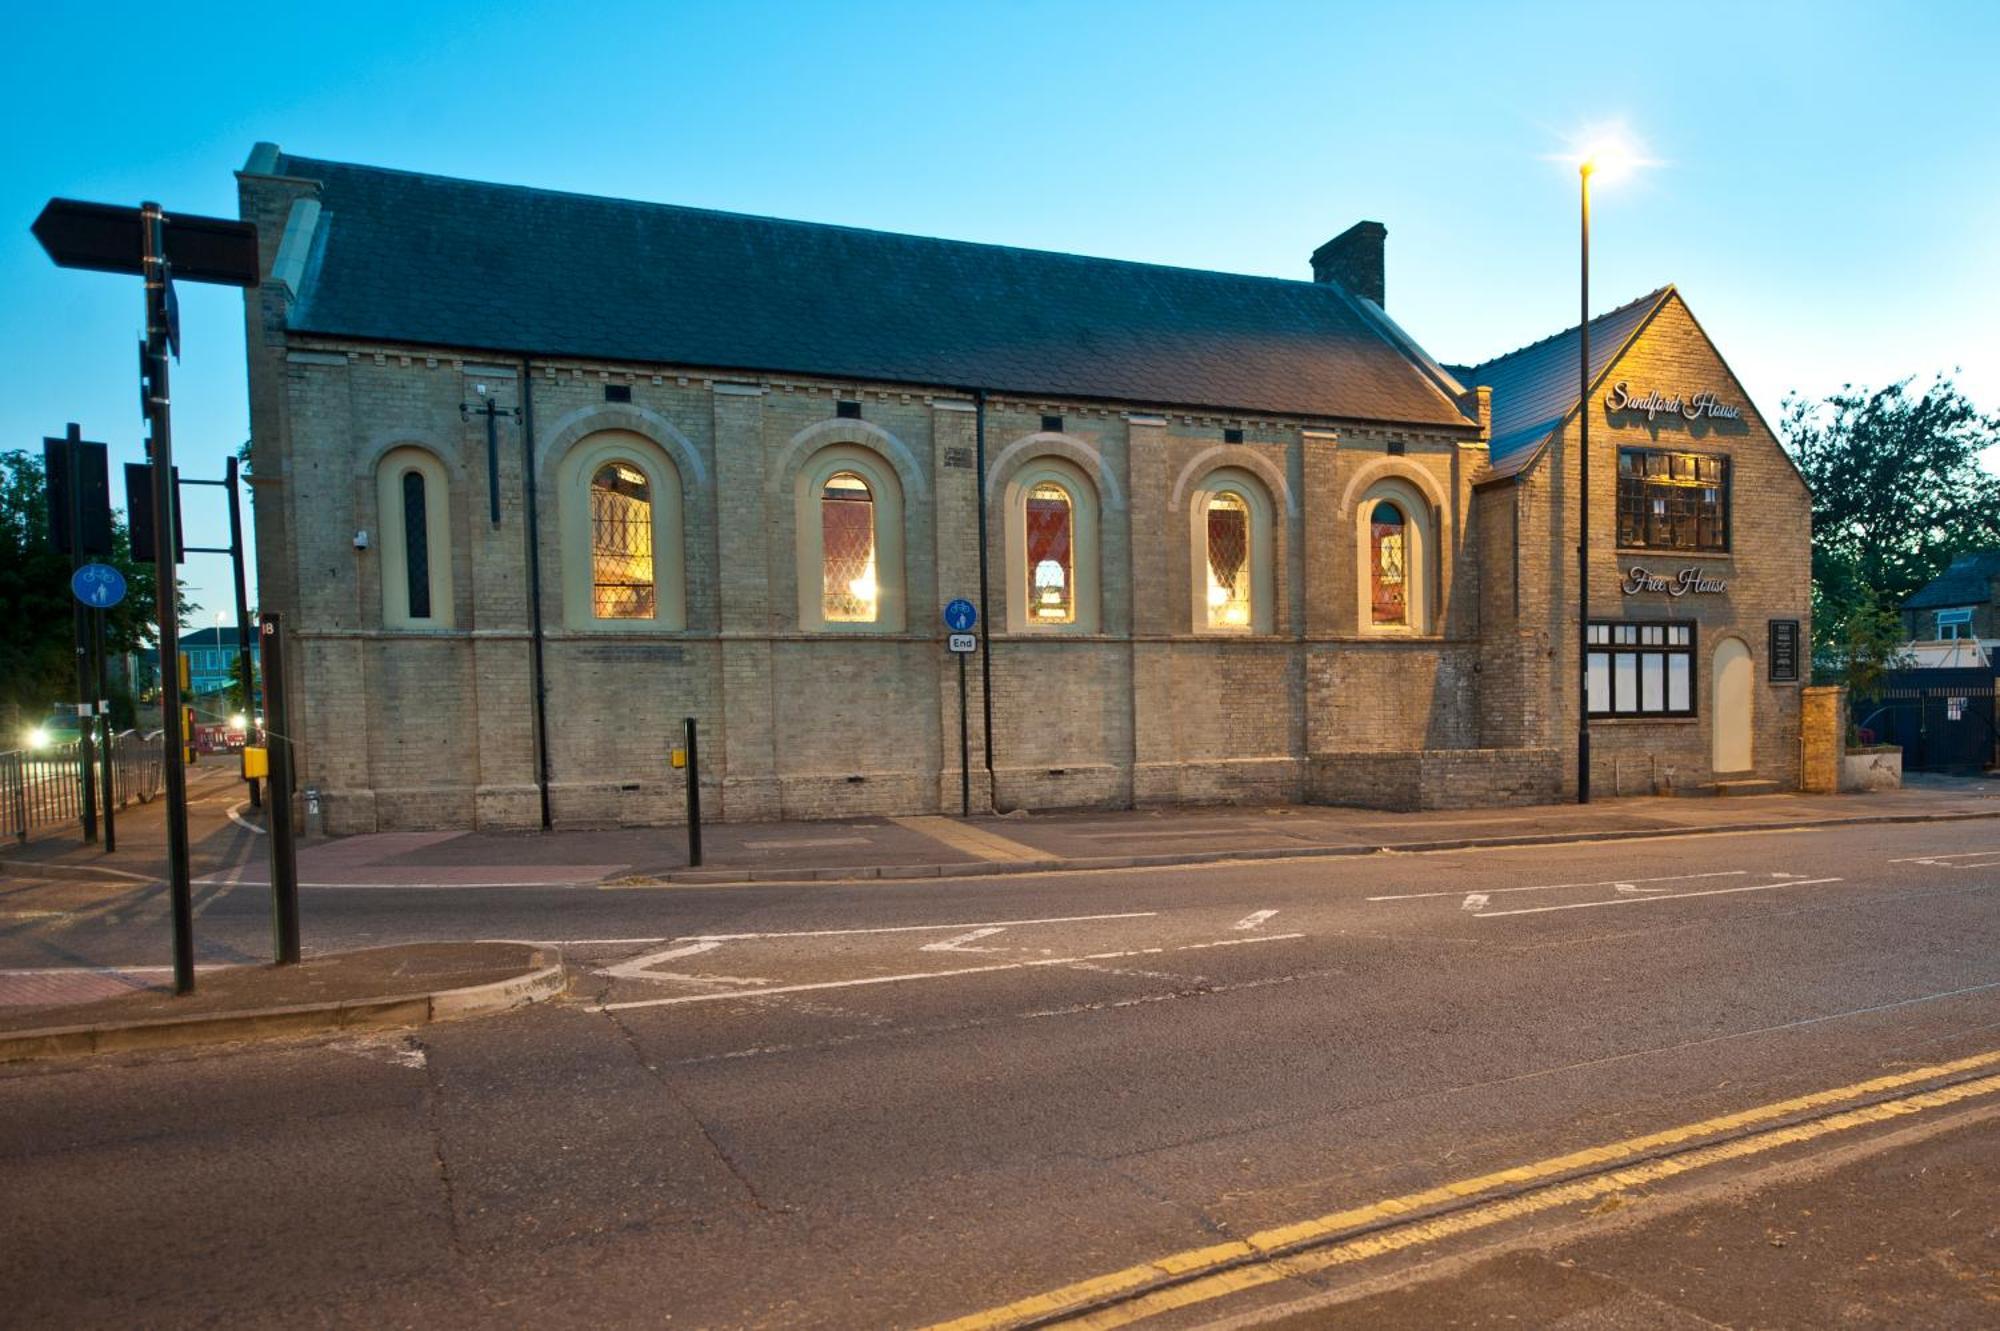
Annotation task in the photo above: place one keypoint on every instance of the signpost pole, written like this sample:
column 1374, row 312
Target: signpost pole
column 160, row 449
column 80, row 623
column 278, row 738
column 244, row 674
column 964, row 746
column 109, row 747
column 1583, row 515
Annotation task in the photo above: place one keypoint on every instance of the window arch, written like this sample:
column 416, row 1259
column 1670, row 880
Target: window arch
column 1231, row 555
column 1051, row 548
column 620, row 504
column 848, row 508
column 413, row 499
column 1394, row 559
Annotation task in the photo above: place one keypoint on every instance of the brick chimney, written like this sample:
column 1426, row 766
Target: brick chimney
column 1354, row 260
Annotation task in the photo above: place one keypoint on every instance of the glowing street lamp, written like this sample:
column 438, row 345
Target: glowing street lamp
column 1610, row 155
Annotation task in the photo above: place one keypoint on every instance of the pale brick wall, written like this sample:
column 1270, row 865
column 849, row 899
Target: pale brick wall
column 421, row 729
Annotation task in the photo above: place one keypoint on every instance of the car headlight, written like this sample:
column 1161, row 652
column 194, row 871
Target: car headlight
column 38, row 738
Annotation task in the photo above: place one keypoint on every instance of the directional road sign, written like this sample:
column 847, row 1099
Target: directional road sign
column 98, row 586
column 110, row 239
column 960, row 615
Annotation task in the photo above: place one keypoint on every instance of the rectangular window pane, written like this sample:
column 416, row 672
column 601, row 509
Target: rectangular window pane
column 416, row 546
column 1679, row 670
column 1600, row 681
column 1652, row 682
column 1625, row 633
column 1625, row 683
column 1599, row 633
column 1677, row 634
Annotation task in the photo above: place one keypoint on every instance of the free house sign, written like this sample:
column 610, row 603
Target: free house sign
column 1639, row 578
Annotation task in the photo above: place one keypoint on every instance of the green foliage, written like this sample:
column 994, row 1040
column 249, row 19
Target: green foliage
column 1897, row 491
column 37, row 643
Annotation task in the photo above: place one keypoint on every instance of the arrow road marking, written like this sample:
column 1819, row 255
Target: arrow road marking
column 958, row 944
column 1254, row 918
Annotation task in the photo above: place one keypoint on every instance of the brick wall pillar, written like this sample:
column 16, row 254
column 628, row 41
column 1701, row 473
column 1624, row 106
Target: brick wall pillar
column 1822, row 738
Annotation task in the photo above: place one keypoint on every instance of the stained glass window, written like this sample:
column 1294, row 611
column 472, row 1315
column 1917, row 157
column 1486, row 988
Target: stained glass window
column 1388, row 549
column 621, row 543
column 1672, row 501
column 849, row 592
column 1051, row 555
column 417, row 545
column 1228, row 561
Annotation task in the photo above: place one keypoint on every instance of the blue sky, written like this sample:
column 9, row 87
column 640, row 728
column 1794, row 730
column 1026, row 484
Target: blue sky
column 1826, row 194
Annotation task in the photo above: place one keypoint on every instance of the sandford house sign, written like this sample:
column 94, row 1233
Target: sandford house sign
column 1653, row 403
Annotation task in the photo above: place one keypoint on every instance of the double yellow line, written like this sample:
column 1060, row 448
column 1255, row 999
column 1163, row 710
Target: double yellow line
column 1199, row 1275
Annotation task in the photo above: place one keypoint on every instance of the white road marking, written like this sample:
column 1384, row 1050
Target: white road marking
column 958, row 944
column 1633, row 889
column 236, row 816
column 1254, row 918
column 934, row 975
column 776, row 843
column 638, row 967
column 1474, row 901
column 1551, row 887
column 927, row 928
column 1985, row 859
column 1671, row 896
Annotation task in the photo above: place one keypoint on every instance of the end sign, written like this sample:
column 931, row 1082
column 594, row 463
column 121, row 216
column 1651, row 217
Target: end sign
column 963, row 642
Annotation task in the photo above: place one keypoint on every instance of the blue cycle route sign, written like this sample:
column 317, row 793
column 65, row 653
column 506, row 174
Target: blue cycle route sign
column 98, row 586
column 960, row 616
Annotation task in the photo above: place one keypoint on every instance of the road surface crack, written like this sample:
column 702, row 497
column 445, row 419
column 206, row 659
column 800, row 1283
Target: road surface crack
column 434, row 1124
column 701, row 1124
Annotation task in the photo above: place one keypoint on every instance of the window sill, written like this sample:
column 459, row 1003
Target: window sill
column 1622, row 720
column 1659, row 552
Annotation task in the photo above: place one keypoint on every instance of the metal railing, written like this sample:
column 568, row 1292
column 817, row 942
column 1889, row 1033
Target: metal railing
column 42, row 788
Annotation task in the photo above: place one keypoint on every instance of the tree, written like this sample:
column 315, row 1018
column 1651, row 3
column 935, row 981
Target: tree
column 1897, row 491
column 37, row 643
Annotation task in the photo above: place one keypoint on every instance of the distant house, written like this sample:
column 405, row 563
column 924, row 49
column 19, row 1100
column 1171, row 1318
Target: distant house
column 1955, row 620
column 211, row 654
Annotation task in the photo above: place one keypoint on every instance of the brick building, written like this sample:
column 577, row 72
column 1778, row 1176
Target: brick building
column 538, row 474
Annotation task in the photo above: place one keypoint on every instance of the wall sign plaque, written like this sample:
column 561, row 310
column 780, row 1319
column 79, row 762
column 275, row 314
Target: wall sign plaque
column 1639, row 578
column 1654, row 402
column 1784, row 655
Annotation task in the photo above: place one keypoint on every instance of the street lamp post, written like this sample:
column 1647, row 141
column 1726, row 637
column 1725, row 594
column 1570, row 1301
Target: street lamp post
column 1583, row 507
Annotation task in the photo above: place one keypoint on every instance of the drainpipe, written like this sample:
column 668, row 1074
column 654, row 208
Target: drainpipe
column 534, row 539
column 985, row 616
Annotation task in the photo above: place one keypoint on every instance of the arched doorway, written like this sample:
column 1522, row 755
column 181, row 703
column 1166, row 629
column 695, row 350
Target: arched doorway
column 1730, row 720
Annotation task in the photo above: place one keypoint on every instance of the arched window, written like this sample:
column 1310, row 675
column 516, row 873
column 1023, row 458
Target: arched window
column 849, row 515
column 414, row 514
column 621, row 544
column 1231, row 554
column 620, row 508
column 1228, row 595
column 1051, row 552
column 1051, row 524
column 1395, row 566
column 850, row 592
column 1388, row 566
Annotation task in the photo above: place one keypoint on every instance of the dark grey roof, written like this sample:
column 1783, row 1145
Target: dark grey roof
column 1969, row 581
column 452, row 263
column 1535, row 387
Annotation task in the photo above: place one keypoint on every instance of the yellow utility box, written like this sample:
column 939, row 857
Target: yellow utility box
column 256, row 761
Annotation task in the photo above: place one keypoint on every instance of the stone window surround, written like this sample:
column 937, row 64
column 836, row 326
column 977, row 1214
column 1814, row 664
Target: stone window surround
column 579, row 463
column 1263, row 543
column 1049, row 468
column 1405, row 488
column 886, row 489
column 394, row 563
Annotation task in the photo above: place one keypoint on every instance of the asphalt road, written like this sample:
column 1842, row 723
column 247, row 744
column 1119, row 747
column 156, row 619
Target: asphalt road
column 891, row 1103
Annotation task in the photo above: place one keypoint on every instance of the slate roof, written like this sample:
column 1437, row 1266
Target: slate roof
column 1535, row 387
column 424, row 259
column 1969, row 581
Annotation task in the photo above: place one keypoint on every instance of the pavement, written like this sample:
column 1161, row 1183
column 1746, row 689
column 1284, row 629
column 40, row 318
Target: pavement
column 403, row 984
column 229, row 850
column 886, row 1103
